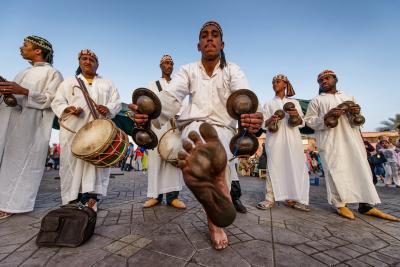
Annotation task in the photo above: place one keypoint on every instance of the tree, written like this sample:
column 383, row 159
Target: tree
column 390, row 125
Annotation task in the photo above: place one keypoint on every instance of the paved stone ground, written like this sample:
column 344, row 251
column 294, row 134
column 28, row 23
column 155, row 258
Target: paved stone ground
column 127, row 235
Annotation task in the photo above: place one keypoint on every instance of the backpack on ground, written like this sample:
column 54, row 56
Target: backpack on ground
column 68, row 226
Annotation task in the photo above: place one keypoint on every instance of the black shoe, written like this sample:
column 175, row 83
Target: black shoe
column 239, row 206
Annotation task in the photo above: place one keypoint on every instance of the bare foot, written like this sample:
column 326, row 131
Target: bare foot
column 203, row 167
column 218, row 236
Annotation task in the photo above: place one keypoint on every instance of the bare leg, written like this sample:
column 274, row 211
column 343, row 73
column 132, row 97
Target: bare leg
column 203, row 166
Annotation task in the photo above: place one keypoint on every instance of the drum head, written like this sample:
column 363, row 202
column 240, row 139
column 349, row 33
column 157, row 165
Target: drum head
column 93, row 137
column 169, row 145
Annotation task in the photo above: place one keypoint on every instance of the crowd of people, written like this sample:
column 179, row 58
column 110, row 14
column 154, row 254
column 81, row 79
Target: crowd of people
column 205, row 164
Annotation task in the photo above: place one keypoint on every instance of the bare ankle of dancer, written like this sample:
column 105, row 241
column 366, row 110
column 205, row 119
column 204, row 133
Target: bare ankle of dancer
column 219, row 238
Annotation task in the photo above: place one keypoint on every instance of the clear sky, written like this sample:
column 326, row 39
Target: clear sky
column 359, row 40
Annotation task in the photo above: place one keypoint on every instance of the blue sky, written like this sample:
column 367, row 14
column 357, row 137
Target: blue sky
column 359, row 40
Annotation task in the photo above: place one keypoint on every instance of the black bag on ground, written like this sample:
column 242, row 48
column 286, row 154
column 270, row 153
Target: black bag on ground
column 68, row 226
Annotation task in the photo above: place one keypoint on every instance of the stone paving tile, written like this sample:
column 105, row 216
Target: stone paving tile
column 384, row 258
column 338, row 254
column 392, row 251
column 347, row 251
column 357, row 248
column 40, row 257
column 244, row 237
column 113, row 231
column 77, row 259
column 146, row 258
column 115, row 246
column 288, row 256
column 326, row 259
column 287, row 237
column 112, row 260
column 175, row 245
column 130, row 238
column 8, row 249
column 128, row 251
column 212, row 257
column 142, row 242
column 19, row 237
column 17, row 257
column 306, row 249
column 255, row 252
column 310, row 232
column 371, row 261
column 357, row 263
column 261, row 232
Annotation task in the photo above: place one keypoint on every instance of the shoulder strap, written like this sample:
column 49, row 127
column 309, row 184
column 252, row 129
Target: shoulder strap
column 159, row 85
column 89, row 100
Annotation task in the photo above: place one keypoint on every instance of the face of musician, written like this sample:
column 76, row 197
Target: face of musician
column 167, row 67
column 88, row 65
column 30, row 52
column 328, row 83
column 210, row 42
column 279, row 86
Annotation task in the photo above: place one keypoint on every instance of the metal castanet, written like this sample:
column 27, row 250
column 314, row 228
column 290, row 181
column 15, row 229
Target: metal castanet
column 9, row 100
column 354, row 117
column 293, row 120
column 273, row 126
column 243, row 101
column 148, row 103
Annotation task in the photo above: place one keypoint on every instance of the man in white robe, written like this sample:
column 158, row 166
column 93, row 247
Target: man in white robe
column 163, row 177
column 348, row 176
column 25, row 129
column 288, row 173
column 81, row 180
column 208, row 83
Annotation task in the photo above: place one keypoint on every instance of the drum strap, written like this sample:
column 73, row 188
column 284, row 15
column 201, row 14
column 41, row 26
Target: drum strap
column 89, row 101
column 158, row 85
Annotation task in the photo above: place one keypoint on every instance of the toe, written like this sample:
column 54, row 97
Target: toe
column 208, row 132
column 195, row 137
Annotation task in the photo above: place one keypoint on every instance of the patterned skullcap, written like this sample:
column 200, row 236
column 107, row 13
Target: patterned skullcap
column 166, row 58
column 213, row 23
column 43, row 44
column 88, row 52
column 39, row 41
column 325, row 73
column 289, row 87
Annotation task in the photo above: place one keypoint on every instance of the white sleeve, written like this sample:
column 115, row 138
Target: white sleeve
column 313, row 118
column 43, row 99
column 114, row 104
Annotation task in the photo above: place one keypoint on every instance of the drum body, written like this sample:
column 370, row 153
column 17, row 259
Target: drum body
column 169, row 146
column 101, row 143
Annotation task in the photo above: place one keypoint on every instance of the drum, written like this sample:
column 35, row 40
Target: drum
column 169, row 146
column 101, row 143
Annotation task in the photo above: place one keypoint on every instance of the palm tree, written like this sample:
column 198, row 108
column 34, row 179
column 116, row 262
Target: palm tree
column 390, row 125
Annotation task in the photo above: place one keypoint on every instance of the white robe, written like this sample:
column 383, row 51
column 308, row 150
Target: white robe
column 24, row 138
column 162, row 176
column 206, row 103
column 343, row 155
column 286, row 159
column 76, row 175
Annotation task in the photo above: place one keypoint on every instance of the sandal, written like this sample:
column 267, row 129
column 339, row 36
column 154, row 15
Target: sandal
column 302, row 207
column 264, row 205
column 290, row 203
column 4, row 214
